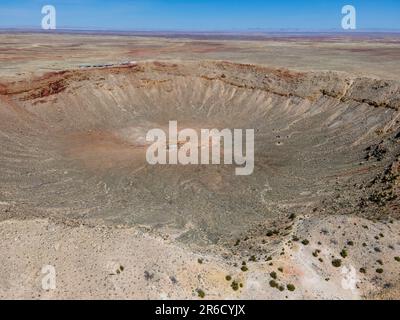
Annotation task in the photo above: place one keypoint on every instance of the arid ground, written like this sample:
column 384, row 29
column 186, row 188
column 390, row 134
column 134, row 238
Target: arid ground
column 318, row 218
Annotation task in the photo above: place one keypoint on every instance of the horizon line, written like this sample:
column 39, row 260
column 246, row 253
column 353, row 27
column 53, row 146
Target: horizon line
column 204, row 31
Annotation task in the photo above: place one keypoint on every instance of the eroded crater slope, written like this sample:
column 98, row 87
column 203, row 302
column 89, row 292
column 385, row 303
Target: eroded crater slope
column 73, row 146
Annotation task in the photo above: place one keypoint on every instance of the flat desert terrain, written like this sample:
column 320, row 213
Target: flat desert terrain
column 318, row 218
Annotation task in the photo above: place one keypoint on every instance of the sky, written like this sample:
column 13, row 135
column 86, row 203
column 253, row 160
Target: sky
column 201, row 15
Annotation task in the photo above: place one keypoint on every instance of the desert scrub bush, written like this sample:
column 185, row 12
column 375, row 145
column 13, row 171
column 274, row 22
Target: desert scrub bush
column 336, row 263
column 244, row 269
column 397, row 259
column 235, row 286
column 280, row 269
column 379, row 262
column 273, row 275
column 270, row 233
column 379, row 270
column 305, row 242
column 201, row 293
column 253, row 258
column 316, row 253
column 228, row 278
column 350, row 243
column 120, row 269
column 291, row 287
column 363, row 270
column 200, row 261
column 344, row 253
column 292, row 216
column 273, row 284
column 295, row 238
column 383, row 197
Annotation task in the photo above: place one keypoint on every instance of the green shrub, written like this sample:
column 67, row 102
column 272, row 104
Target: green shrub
column 291, row 287
column 336, row 263
column 201, row 293
column 235, row 286
column 316, row 253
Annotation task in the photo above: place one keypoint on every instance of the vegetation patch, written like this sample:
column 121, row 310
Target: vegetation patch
column 235, row 286
column 201, row 293
column 337, row 263
column 291, row 287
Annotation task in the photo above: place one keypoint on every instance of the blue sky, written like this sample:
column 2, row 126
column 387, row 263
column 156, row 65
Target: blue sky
column 201, row 15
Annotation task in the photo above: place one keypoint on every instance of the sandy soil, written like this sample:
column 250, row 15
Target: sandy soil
column 23, row 55
column 127, row 263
